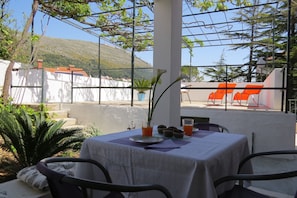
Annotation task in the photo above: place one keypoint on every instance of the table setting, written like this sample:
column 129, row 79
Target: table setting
column 190, row 162
column 154, row 142
column 163, row 138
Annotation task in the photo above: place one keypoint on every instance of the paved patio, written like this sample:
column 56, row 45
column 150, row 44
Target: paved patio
column 200, row 104
column 287, row 187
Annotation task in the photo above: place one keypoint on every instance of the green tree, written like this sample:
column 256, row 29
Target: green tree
column 218, row 5
column 115, row 22
column 15, row 46
column 275, row 44
column 188, row 43
column 191, row 74
column 281, row 30
column 32, row 137
column 7, row 35
column 222, row 72
column 256, row 19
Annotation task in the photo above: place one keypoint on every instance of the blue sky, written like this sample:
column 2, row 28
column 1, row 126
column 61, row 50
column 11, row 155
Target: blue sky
column 58, row 29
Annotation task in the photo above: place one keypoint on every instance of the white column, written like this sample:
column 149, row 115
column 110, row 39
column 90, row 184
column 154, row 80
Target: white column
column 167, row 55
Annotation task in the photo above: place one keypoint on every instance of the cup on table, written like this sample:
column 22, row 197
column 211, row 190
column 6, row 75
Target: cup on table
column 147, row 130
column 188, row 124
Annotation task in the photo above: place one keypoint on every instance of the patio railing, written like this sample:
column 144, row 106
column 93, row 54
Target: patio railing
column 45, row 87
column 293, row 106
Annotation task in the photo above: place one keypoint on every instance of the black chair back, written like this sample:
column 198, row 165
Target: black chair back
column 210, row 127
column 59, row 189
column 62, row 185
column 239, row 190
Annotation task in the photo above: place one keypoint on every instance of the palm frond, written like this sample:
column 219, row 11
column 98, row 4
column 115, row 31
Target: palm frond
column 31, row 137
column 11, row 132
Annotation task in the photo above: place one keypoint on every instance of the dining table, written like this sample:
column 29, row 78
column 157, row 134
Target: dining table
column 186, row 166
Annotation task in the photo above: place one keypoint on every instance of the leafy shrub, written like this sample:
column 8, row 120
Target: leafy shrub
column 30, row 136
column 142, row 85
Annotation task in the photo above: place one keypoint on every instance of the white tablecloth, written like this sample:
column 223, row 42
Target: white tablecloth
column 188, row 171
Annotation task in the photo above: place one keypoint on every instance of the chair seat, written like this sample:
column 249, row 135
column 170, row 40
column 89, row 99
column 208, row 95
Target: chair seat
column 185, row 91
column 211, row 127
column 114, row 195
column 241, row 192
column 247, row 92
column 223, row 90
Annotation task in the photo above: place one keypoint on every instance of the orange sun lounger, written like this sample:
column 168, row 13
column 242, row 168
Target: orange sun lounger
column 248, row 90
column 223, row 89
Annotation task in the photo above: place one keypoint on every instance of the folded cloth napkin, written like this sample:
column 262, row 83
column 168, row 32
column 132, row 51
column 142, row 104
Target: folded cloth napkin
column 166, row 144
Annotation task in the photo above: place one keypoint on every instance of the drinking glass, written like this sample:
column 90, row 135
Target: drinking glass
column 188, row 126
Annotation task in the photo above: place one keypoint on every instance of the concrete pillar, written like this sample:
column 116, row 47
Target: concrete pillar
column 167, row 55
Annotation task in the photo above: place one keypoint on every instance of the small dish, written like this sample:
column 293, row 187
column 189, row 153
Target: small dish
column 146, row 140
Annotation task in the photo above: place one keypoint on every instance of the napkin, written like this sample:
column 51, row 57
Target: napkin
column 166, row 144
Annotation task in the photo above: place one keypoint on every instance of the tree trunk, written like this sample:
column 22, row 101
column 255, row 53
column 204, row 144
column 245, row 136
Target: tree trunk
column 19, row 44
column 7, row 82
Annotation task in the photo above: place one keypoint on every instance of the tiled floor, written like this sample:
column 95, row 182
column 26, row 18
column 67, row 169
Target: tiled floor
column 285, row 188
column 269, row 165
column 204, row 104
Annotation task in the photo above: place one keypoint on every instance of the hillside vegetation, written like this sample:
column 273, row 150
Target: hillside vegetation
column 114, row 61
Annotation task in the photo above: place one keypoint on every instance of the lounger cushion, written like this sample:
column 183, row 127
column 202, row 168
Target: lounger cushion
column 34, row 178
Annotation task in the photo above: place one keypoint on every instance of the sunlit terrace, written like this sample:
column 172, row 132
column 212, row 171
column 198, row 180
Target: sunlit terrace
column 214, row 29
column 111, row 104
column 260, row 117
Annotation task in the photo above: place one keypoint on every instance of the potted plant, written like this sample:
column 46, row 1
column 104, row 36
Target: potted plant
column 153, row 101
column 142, row 85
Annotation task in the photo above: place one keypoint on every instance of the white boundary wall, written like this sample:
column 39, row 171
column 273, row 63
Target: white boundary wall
column 57, row 89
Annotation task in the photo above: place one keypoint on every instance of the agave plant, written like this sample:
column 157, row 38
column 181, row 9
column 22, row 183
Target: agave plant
column 141, row 85
column 31, row 138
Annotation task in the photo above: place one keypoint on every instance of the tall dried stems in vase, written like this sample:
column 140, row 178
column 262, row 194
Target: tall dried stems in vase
column 153, row 101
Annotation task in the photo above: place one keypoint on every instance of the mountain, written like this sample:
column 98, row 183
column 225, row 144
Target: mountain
column 114, row 61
